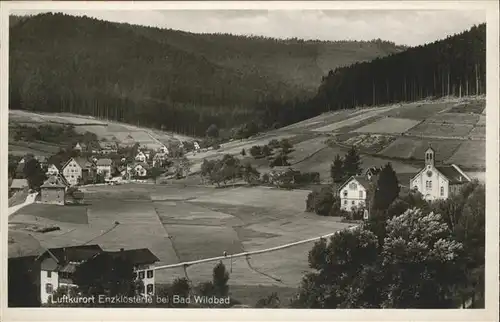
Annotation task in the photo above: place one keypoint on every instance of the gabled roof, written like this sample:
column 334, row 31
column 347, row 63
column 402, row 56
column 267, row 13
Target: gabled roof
column 104, row 161
column 454, row 175
column 41, row 158
column 82, row 162
column 55, row 165
column 142, row 164
column 19, row 183
column 362, row 180
column 75, row 253
column 136, row 256
column 54, row 182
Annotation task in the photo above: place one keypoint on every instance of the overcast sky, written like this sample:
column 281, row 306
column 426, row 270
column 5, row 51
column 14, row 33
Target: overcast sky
column 402, row 27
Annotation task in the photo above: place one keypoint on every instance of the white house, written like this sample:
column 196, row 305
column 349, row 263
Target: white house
column 354, row 193
column 141, row 169
column 140, row 157
column 76, row 168
column 143, row 261
column 196, row 146
column 438, row 182
column 57, row 266
column 52, row 170
column 104, row 167
column 163, row 149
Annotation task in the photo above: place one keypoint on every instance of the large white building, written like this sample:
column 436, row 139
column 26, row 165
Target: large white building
column 104, row 167
column 58, row 265
column 354, row 193
column 438, row 182
column 76, row 168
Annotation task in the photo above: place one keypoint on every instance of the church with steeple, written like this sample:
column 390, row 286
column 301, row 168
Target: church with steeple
column 438, row 181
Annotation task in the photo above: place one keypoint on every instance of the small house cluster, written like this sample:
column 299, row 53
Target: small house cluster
column 433, row 181
column 93, row 161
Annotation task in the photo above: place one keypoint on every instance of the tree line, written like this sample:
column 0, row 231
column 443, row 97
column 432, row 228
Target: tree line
column 158, row 78
column 455, row 66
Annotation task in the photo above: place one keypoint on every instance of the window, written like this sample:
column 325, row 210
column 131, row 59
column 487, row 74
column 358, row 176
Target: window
column 353, row 202
column 150, row 274
column 430, row 184
column 442, row 191
column 353, row 186
column 361, row 193
column 48, row 288
column 345, row 202
column 49, row 274
column 149, row 288
column 141, row 275
column 345, row 193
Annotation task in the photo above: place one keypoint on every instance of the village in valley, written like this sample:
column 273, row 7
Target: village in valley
column 306, row 206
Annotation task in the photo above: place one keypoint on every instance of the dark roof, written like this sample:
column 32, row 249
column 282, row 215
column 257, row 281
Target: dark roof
column 54, row 182
column 82, row 162
column 452, row 174
column 405, row 178
column 136, row 256
column 75, row 253
column 361, row 179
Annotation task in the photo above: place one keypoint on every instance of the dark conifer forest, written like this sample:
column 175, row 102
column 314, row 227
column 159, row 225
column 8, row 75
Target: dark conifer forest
column 454, row 66
column 185, row 82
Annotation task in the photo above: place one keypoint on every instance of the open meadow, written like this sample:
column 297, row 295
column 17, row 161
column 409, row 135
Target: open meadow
column 183, row 223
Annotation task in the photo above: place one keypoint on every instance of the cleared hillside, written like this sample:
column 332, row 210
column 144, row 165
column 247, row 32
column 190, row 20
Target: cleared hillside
column 181, row 81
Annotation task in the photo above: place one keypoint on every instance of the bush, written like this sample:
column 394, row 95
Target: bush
column 256, row 151
column 265, row 178
column 274, row 144
column 307, row 178
column 322, row 202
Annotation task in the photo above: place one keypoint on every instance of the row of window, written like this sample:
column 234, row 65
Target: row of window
column 428, row 186
column 149, row 274
column 360, row 194
column 352, row 202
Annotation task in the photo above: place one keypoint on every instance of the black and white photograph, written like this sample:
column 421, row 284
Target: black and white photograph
column 247, row 158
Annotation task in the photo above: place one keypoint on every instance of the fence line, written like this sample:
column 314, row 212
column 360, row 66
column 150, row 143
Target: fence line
column 255, row 252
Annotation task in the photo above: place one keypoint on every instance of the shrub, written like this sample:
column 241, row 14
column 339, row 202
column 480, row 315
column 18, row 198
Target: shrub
column 256, row 151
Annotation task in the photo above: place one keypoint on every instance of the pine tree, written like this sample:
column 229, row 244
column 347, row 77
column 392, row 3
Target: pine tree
column 336, row 169
column 352, row 163
column 387, row 188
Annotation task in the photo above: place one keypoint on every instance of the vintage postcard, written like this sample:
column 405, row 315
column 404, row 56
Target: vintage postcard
column 228, row 158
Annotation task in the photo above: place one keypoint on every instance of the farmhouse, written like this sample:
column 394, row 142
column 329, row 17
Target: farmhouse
column 80, row 147
column 53, row 190
column 76, row 168
column 282, row 175
column 57, row 266
column 163, row 149
column 354, row 193
column 52, row 169
column 18, row 185
column 104, row 167
column 371, row 172
column 438, row 182
column 140, row 169
column 42, row 160
column 159, row 158
column 108, row 147
column 143, row 261
column 140, row 157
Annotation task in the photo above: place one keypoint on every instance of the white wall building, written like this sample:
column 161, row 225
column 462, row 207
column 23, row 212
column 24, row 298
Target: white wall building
column 438, row 182
column 353, row 193
column 140, row 157
column 104, row 167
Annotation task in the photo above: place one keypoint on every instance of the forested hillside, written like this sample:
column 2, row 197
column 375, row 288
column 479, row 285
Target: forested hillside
column 164, row 78
column 454, row 66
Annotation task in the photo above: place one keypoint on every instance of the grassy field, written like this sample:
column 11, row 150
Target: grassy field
column 417, row 111
column 455, row 118
column 429, row 128
column 125, row 134
column 415, row 148
column 187, row 223
column 476, row 107
column 470, row 154
column 389, row 125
